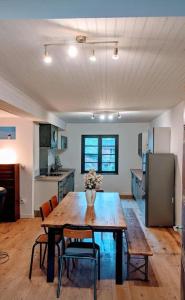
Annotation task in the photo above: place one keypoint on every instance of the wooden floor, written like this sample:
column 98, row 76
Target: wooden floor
column 17, row 239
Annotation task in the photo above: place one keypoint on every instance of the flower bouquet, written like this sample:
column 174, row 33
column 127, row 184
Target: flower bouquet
column 92, row 181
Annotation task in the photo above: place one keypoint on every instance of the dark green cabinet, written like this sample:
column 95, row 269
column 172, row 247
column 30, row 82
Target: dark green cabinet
column 63, row 142
column 137, row 187
column 65, row 186
column 48, row 136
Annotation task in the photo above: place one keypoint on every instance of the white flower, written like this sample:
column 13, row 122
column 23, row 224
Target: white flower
column 91, row 180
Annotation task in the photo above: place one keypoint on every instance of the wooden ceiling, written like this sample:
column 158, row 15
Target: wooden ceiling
column 149, row 75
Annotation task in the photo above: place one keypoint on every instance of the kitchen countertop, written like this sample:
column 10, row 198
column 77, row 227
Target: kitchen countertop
column 65, row 173
column 138, row 173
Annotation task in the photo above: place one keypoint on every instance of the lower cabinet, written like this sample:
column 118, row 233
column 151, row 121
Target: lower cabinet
column 65, row 186
column 45, row 189
column 137, row 187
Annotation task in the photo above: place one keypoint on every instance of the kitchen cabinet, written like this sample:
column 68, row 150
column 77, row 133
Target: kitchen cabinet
column 63, row 142
column 65, row 186
column 137, row 187
column 137, row 183
column 142, row 143
column 47, row 186
column 48, row 135
column 159, row 139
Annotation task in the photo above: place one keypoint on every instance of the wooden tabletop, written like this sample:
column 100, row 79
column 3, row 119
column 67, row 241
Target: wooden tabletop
column 107, row 213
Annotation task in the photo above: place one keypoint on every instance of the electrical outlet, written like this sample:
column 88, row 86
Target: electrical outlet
column 22, row 201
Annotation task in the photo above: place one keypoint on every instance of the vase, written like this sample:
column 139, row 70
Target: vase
column 90, row 197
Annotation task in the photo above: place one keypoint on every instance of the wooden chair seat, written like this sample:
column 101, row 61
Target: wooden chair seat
column 43, row 238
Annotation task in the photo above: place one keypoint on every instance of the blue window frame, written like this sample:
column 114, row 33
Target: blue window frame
column 99, row 152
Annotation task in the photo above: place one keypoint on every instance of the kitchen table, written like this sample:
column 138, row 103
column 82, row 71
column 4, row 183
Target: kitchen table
column 105, row 216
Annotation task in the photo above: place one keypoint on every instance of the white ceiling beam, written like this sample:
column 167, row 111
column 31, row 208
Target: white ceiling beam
column 16, row 102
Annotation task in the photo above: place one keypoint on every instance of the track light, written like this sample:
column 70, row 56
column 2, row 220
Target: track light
column 110, row 117
column 72, row 51
column 119, row 116
column 115, row 55
column 92, row 57
column 102, row 117
column 47, row 58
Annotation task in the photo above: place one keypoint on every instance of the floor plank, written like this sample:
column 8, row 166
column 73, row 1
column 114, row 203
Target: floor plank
column 17, row 239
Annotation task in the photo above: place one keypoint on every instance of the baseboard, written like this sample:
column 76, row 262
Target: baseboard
column 126, row 196
column 26, row 216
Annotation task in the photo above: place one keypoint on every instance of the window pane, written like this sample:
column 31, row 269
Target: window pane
column 89, row 166
column 108, row 141
column 108, row 167
column 108, row 158
column 91, row 150
column 91, row 141
column 91, row 158
column 108, row 150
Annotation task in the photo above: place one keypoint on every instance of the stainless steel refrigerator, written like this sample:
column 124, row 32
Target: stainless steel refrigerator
column 160, row 190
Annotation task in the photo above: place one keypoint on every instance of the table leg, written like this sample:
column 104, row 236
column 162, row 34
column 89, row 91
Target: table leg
column 119, row 257
column 51, row 255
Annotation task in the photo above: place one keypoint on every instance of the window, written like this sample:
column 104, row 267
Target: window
column 99, row 152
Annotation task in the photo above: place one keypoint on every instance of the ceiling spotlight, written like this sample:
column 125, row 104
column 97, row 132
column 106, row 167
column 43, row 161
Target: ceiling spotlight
column 119, row 116
column 47, row 58
column 93, row 117
column 110, row 117
column 92, row 57
column 115, row 55
column 72, row 51
column 102, row 117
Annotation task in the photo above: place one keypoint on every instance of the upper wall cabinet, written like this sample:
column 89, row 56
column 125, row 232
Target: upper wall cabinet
column 159, row 139
column 62, row 141
column 142, row 143
column 48, row 136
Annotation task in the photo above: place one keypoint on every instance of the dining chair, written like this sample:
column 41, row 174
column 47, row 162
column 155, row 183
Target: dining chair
column 53, row 202
column 79, row 250
column 42, row 239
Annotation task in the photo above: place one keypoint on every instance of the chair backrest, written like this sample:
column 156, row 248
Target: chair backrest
column 53, row 202
column 78, row 232
column 45, row 210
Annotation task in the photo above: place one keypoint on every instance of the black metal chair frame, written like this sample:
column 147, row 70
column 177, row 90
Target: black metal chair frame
column 42, row 259
column 95, row 257
column 37, row 242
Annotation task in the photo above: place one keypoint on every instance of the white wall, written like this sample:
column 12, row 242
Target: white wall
column 174, row 118
column 128, row 156
column 23, row 147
